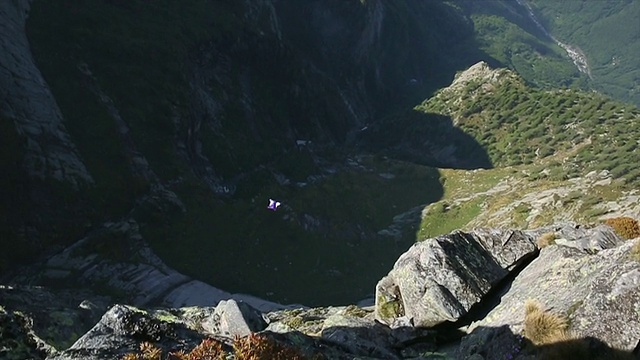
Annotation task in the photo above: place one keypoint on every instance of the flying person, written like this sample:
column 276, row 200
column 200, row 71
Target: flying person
column 273, row 205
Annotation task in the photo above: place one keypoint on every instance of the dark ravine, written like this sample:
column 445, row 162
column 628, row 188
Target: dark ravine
column 190, row 134
column 131, row 190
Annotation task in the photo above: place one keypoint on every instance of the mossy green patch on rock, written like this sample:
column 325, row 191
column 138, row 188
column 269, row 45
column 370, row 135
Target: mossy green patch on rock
column 294, row 321
column 164, row 315
column 389, row 308
column 356, row 311
column 17, row 341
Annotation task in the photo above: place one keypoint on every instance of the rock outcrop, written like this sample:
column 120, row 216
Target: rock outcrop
column 345, row 333
column 591, row 287
column 35, row 322
column 440, row 279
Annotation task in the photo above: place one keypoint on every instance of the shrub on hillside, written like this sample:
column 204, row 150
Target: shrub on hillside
column 208, row 349
column 258, row 347
column 252, row 347
column 626, row 227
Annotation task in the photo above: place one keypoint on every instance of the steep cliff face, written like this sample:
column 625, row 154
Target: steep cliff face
column 40, row 162
column 27, row 101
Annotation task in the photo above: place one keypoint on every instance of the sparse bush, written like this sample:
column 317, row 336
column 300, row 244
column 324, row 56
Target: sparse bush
column 259, row 347
column 624, row 226
column 252, row 347
column 546, row 239
column 208, row 349
column 542, row 327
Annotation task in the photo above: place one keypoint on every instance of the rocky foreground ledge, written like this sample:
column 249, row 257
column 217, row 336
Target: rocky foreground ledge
column 557, row 292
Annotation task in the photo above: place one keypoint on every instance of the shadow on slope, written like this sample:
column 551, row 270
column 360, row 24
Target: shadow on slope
column 424, row 138
column 501, row 343
column 335, row 235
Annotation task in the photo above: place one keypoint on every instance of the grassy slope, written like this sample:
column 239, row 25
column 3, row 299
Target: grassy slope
column 608, row 32
column 538, row 140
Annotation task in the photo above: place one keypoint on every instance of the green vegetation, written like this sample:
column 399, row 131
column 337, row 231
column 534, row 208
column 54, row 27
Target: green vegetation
column 608, row 32
column 536, row 58
column 389, row 308
column 518, row 124
column 314, row 237
column 443, row 218
column 537, row 139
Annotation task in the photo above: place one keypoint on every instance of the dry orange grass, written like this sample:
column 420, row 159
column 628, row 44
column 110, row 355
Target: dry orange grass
column 252, row 347
column 550, row 333
column 626, row 227
column 546, row 239
column 542, row 327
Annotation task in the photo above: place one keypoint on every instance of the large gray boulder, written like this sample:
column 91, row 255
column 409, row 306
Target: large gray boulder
column 122, row 329
column 440, row 279
column 234, row 318
column 360, row 336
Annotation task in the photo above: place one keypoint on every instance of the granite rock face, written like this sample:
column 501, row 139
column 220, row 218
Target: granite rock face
column 236, row 318
column 115, row 259
column 122, row 329
column 440, row 279
column 36, row 322
column 598, row 293
column 26, row 100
